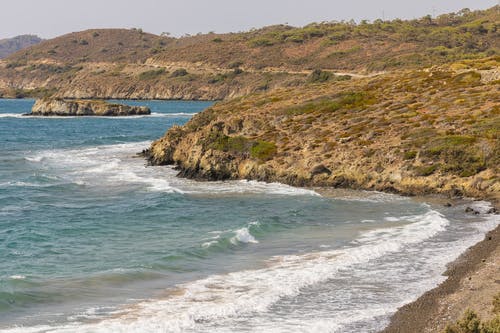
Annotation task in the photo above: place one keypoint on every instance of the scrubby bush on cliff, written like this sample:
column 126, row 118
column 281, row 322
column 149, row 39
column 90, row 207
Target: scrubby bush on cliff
column 458, row 152
column 179, row 72
column 345, row 100
column 471, row 323
column 319, row 76
column 152, row 74
column 263, row 150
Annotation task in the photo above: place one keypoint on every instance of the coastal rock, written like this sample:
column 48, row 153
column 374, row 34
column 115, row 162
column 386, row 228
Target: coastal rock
column 61, row 107
column 298, row 136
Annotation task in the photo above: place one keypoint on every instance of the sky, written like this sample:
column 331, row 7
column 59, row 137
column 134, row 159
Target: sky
column 51, row 18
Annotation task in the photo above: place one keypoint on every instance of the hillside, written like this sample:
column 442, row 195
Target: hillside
column 121, row 63
column 9, row 46
column 414, row 132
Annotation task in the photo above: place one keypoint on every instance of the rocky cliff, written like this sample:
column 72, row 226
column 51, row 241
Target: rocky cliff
column 415, row 132
column 60, row 107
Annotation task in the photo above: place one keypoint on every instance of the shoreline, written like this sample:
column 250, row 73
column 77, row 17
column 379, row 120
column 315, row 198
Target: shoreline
column 472, row 281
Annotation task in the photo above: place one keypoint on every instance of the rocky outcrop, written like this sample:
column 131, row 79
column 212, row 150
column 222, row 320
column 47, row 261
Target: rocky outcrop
column 61, row 107
column 394, row 133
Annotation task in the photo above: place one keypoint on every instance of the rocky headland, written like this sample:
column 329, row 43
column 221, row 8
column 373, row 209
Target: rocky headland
column 415, row 132
column 429, row 131
column 61, row 107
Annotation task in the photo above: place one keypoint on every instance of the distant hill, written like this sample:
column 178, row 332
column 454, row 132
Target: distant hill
column 9, row 46
column 130, row 63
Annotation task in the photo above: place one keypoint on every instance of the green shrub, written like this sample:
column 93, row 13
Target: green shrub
column 217, row 78
column 295, row 39
column 217, row 40
column 179, row 72
column 446, row 143
column 468, row 78
column 258, row 42
column 496, row 304
column 410, row 155
column 345, row 100
column 319, row 76
column 235, row 64
column 471, row 323
column 457, row 153
column 152, row 74
column 237, row 144
column 16, row 64
column 425, row 170
column 263, row 150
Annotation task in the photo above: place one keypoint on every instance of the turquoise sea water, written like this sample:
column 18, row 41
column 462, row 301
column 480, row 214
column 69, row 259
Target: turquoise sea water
column 93, row 240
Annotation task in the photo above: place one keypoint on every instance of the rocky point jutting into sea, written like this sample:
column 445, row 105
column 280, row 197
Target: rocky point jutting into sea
column 428, row 131
column 412, row 132
column 61, row 107
column 409, row 107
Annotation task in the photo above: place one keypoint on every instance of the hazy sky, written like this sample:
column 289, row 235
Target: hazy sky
column 50, row 18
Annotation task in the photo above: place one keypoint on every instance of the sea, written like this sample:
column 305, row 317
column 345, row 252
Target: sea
column 92, row 239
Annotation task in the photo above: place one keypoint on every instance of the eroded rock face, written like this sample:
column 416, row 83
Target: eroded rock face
column 362, row 134
column 61, row 107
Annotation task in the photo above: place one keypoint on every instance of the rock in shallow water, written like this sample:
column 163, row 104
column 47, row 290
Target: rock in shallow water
column 61, row 107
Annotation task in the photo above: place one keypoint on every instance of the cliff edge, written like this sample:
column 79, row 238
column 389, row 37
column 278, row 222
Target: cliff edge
column 414, row 132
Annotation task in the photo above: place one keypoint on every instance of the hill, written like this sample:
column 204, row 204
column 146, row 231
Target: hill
column 414, row 132
column 9, row 46
column 123, row 63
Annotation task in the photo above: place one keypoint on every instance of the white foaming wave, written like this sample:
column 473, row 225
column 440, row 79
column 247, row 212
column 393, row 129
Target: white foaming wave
column 240, row 236
column 209, row 243
column 103, row 165
column 372, row 196
column 219, row 297
column 492, row 220
column 37, row 158
column 117, row 165
column 245, row 187
column 152, row 115
column 243, row 235
column 17, row 277
column 481, row 206
column 335, row 323
column 94, row 313
column 12, row 115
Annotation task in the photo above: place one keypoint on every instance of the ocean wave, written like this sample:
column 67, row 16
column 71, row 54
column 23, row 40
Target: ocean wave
column 12, row 115
column 116, row 165
column 229, row 238
column 221, row 297
column 364, row 196
column 152, row 115
column 243, row 235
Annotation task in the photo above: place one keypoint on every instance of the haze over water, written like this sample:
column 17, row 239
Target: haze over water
column 92, row 240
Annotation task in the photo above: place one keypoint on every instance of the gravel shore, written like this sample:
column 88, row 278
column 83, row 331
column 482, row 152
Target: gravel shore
column 473, row 280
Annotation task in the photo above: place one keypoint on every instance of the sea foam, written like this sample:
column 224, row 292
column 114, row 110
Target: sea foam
column 116, row 165
column 222, row 297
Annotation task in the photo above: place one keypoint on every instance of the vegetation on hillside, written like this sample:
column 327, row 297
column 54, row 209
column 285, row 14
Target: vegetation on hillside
column 412, row 131
column 472, row 323
column 131, row 62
